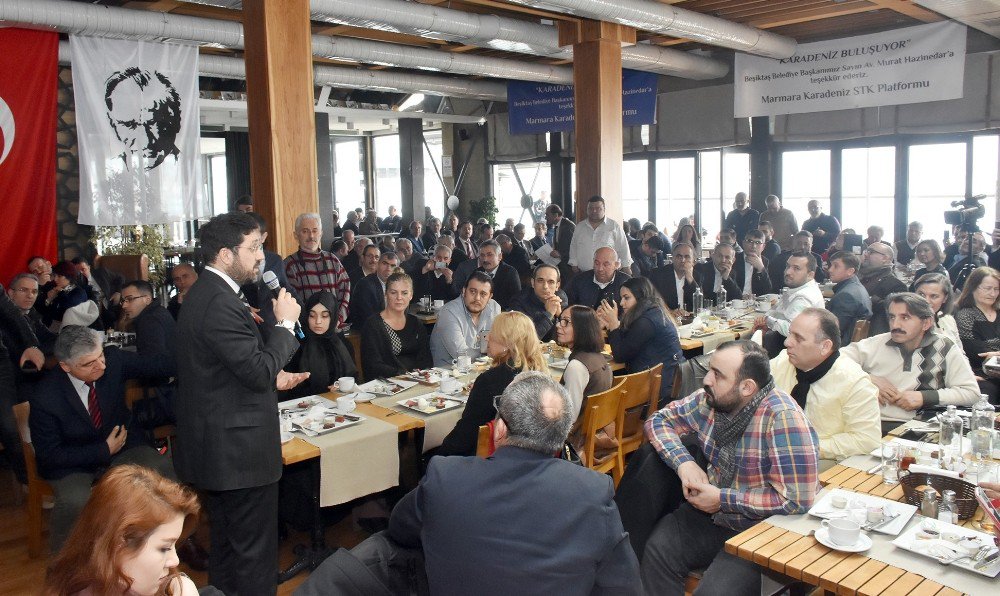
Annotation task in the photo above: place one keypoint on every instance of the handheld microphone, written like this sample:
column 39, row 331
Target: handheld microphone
column 271, row 281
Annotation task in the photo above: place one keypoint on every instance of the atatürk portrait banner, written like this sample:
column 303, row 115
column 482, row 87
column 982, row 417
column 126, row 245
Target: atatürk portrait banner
column 138, row 132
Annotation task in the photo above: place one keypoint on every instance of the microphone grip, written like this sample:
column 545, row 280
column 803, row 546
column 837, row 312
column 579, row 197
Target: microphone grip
column 298, row 331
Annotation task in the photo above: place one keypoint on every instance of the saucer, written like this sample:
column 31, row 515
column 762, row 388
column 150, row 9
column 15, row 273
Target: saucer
column 286, row 437
column 863, row 543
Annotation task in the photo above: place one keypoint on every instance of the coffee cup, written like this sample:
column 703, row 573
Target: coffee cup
column 685, row 331
column 345, row 384
column 346, row 404
column 842, row 532
column 463, row 363
column 438, row 304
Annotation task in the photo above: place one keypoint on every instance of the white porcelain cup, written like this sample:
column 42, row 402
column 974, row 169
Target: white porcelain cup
column 844, row 532
column 345, row 384
column 463, row 362
column 685, row 332
column 875, row 514
column 438, row 304
column 346, row 404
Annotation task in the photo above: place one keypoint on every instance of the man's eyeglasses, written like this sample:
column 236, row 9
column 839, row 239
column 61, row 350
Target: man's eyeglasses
column 129, row 299
column 564, row 322
column 30, row 291
column 756, row 242
column 253, row 248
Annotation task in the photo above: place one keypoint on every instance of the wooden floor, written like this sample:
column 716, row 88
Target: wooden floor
column 22, row 575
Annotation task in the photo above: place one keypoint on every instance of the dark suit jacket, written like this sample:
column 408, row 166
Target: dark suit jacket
column 506, row 282
column 583, row 290
column 367, row 298
column 428, row 284
column 663, row 279
column 760, row 283
column 562, row 238
column 518, row 259
column 528, row 302
column 458, row 257
column 850, row 304
column 63, row 435
column 519, row 522
column 227, row 414
column 705, row 274
column 259, row 295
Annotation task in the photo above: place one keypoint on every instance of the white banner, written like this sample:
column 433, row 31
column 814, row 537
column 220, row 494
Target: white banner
column 911, row 65
column 138, row 132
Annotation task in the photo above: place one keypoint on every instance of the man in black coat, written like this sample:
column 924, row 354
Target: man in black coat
column 717, row 273
column 750, row 267
column 801, row 241
column 562, row 237
column 677, row 280
column 515, row 256
column 542, row 301
column 368, row 297
column 435, row 277
column 506, row 281
column 603, row 284
column 824, row 228
column 228, row 441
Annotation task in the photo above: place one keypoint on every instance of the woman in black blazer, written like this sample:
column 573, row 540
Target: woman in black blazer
column 394, row 342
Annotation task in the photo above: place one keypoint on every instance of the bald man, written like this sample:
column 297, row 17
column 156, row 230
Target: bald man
column 183, row 276
column 603, row 283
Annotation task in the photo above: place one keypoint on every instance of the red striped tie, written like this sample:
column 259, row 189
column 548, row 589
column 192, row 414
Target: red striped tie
column 92, row 405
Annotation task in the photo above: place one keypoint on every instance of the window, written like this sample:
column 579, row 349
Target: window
column 712, row 204
column 536, row 179
column 937, row 177
column 868, row 183
column 735, row 175
column 805, row 175
column 984, row 178
column 434, row 191
column 348, row 176
column 674, row 191
column 388, row 185
column 635, row 189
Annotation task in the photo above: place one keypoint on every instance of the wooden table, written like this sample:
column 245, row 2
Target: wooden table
column 804, row 559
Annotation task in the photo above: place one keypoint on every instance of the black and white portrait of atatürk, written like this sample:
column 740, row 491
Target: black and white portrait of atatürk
column 144, row 110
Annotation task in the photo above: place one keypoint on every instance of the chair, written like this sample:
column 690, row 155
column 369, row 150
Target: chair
column 484, row 444
column 861, row 330
column 130, row 267
column 37, row 488
column 640, row 395
column 601, row 409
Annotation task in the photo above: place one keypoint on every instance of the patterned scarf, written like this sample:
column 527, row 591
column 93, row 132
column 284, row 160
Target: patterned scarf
column 728, row 431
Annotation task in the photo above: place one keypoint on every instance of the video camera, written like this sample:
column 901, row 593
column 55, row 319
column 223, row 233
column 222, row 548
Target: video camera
column 969, row 211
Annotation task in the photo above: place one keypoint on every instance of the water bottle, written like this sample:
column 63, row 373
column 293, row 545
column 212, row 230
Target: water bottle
column 721, row 297
column 950, row 437
column 699, row 301
column 981, row 429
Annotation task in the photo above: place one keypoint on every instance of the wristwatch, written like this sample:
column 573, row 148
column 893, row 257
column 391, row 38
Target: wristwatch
column 290, row 325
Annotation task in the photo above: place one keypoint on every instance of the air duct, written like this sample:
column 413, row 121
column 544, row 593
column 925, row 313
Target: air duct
column 490, row 31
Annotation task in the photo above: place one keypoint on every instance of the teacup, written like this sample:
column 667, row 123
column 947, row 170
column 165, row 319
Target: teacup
column 345, row 384
column 438, row 304
column 843, row 532
column 685, row 332
column 346, row 404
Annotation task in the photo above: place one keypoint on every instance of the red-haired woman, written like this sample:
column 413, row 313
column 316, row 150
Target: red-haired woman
column 123, row 542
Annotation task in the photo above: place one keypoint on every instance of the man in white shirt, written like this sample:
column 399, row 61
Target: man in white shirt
column 464, row 322
column 594, row 233
column 802, row 292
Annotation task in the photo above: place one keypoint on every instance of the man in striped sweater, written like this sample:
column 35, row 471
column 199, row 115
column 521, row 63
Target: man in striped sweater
column 312, row 269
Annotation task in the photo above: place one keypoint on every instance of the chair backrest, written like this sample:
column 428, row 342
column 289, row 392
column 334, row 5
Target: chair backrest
column 21, row 412
column 484, row 444
column 130, row 267
column 861, row 330
column 638, row 400
column 601, row 409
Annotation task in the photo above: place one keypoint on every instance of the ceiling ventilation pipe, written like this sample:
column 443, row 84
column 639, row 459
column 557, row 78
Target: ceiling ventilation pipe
column 490, row 31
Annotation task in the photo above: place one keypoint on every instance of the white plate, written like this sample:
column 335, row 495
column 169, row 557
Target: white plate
column 824, row 509
column 318, row 428
column 391, row 388
column 562, row 363
column 450, row 403
column 863, row 543
column 908, row 540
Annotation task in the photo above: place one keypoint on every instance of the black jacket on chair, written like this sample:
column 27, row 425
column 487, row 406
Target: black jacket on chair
column 665, row 281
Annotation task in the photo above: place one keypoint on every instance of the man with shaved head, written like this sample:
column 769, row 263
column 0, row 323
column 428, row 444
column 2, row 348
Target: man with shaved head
column 183, row 276
column 603, row 283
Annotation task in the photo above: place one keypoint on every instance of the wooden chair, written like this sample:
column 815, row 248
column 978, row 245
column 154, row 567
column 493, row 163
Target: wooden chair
column 640, row 395
column 135, row 391
column 484, row 445
column 601, row 409
column 861, row 330
column 131, row 267
column 37, row 488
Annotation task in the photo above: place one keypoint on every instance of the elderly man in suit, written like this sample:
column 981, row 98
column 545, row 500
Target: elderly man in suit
column 80, row 424
column 228, row 440
column 506, row 282
column 718, row 273
column 676, row 283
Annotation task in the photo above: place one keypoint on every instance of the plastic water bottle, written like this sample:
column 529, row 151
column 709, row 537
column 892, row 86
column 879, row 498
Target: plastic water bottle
column 950, row 437
column 699, row 301
column 721, row 297
column 981, row 429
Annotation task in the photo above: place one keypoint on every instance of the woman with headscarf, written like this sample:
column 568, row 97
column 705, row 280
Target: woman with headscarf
column 322, row 353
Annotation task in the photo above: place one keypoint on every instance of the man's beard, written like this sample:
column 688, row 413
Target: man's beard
column 726, row 404
column 243, row 275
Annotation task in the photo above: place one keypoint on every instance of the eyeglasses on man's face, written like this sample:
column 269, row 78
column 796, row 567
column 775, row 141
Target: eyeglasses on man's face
column 129, row 299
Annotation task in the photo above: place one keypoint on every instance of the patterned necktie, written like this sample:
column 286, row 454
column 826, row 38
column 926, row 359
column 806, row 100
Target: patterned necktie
column 92, row 405
column 257, row 318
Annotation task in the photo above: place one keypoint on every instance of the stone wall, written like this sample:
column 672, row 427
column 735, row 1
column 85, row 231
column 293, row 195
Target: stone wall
column 73, row 238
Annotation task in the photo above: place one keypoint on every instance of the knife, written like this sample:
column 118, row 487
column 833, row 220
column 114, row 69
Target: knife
column 987, row 560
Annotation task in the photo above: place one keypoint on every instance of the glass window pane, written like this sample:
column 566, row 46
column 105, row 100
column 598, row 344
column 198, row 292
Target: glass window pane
column 220, row 184
column 635, row 189
column 868, row 182
column 984, row 178
column 388, row 189
column 348, row 176
column 674, row 191
column 536, row 178
column 937, row 177
column 712, row 214
column 736, row 175
column 805, row 175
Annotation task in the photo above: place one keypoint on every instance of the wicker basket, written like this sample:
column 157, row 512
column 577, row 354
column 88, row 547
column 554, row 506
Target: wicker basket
column 965, row 493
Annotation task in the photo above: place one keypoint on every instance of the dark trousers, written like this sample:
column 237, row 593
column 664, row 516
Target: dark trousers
column 9, row 435
column 72, row 491
column 243, row 559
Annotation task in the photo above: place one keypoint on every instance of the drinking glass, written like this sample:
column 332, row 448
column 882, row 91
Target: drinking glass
column 891, row 454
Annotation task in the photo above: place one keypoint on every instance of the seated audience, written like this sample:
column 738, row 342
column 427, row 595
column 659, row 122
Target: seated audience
column 68, row 290
column 749, row 271
column 392, row 341
column 542, row 301
column 587, row 371
column 124, row 542
column 23, row 292
column 875, row 234
column 75, row 443
column 183, row 276
column 519, row 239
column 771, row 247
column 539, row 240
column 515, row 256
column 514, row 347
column 465, row 241
column 352, row 262
column 484, row 233
column 936, row 289
column 41, row 268
column 978, row 325
column 591, row 288
column 717, row 273
column 430, row 237
column 18, row 348
column 839, row 399
column 647, row 256
column 153, row 325
column 906, row 249
column 322, row 353
column 801, row 242
column 368, row 295
column 645, row 334
column 728, row 236
column 838, row 245
column 803, row 292
column 450, row 226
column 877, row 277
column 929, row 254
column 414, row 235
column 339, row 249
column 311, row 269
column 506, row 281
column 392, row 222
column 351, row 223
column 367, row 265
column 336, row 229
column 676, row 283
column 687, row 233
column 961, row 266
column 749, row 453
column 850, row 302
column 435, row 277
column 913, row 366
column 458, row 256
column 369, row 226
column 463, row 323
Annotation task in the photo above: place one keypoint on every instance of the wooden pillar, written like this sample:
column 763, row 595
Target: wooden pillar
column 280, row 111
column 597, row 98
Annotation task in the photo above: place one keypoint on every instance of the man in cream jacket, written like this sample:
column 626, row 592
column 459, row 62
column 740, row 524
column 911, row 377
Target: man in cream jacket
column 913, row 366
column 838, row 397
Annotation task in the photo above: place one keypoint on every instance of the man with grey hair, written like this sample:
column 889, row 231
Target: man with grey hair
column 458, row 255
column 877, row 276
column 506, row 282
column 435, row 277
column 912, row 365
column 312, row 269
column 558, row 523
column 81, row 425
column 906, row 249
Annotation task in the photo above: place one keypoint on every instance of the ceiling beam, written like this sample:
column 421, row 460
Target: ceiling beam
column 908, row 8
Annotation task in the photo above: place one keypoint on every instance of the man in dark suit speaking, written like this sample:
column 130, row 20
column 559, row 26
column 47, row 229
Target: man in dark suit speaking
column 228, row 439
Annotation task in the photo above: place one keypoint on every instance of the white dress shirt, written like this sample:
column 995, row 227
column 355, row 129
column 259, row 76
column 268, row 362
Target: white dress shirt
column 82, row 390
column 587, row 239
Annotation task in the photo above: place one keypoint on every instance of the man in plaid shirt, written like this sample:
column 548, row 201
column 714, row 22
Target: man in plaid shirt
column 312, row 269
column 762, row 457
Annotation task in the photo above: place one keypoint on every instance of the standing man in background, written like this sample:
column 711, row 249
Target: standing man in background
column 782, row 222
column 825, row 228
column 743, row 218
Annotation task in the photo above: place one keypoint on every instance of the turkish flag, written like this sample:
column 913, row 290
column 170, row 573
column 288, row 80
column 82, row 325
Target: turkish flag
column 28, row 86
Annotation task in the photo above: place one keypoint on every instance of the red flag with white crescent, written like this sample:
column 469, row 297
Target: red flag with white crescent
column 28, row 87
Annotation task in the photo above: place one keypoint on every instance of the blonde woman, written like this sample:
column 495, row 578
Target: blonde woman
column 514, row 347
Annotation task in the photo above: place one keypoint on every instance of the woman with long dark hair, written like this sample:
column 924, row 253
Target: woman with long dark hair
column 587, row 371
column 393, row 341
column 69, row 289
column 928, row 253
column 936, row 288
column 645, row 335
column 688, row 233
column 322, row 353
column 979, row 325
column 123, row 542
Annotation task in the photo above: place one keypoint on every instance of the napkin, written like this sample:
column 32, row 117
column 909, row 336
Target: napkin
column 919, row 469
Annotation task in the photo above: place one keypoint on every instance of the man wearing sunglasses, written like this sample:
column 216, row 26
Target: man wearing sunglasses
column 877, row 278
